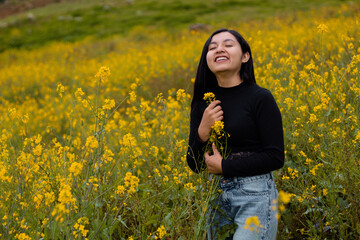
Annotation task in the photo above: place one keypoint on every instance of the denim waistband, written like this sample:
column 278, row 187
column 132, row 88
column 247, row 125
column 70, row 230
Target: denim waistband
column 235, row 180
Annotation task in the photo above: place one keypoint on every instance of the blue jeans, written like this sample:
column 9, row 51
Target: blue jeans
column 241, row 198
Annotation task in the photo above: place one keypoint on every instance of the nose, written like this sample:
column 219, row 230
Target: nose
column 219, row 48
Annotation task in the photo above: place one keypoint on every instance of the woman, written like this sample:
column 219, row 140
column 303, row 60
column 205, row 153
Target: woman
column 256, row 145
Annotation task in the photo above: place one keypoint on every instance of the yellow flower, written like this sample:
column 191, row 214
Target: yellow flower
column 253, row 223
column 22, row 236
column 284, row 197
column 91, row 142
column 301, row 153
column 60, row 89
column 38, row 150
column 325, row 192
column 25, row 118
column 289, row 102
column 128, row 141
column 322, row 28
column 120, row 190
column 132, row 96
column 189, row 186
column 313, row 171
column 109, row 104
column 350, row 46
column 38, row 139
column 108, row 156
column 49, row 198
column 160, row 232
column 209, row 97
column 165, row 179
column 308, row 161
column 180, row 94
column 65, row 195
column 85, row 103
column 80, row 227
column 76, row 168
column 12, row 113
column 159, row 98
column 103, row 73
column 133, row 86
column 357, row 137
column 176, row 180
column 293, row 172
column 79, row 93
column 157, row 173
column 218, row 127
column 313, row 118
column 132, row 182
column 154, row 150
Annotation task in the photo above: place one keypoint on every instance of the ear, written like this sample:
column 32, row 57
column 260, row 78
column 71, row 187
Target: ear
column 245, row 57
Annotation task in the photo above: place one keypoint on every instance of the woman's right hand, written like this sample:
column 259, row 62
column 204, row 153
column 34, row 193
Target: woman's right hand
column 211, row 114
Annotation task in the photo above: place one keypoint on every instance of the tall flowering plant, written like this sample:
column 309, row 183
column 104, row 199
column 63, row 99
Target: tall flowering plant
column 217, row 135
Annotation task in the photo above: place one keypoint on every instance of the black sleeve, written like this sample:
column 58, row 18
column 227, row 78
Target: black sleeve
column 271, row 156
column 195, row 152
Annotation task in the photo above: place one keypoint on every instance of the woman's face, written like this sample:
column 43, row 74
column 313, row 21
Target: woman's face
column 225, row 54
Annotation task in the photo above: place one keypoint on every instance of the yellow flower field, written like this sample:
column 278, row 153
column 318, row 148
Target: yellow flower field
column 94, row 133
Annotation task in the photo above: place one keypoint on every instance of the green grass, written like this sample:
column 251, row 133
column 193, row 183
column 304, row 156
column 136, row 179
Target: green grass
column 73, row 21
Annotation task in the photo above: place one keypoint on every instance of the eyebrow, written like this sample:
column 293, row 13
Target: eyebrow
column 226, row 40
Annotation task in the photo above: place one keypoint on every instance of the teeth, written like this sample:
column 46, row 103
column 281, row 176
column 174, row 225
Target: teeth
column 221, row 58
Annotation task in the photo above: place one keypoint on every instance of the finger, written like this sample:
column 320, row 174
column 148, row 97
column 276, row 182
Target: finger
column 219, row 118
column 216, row 109
column 215, row 150
column 215, row 114
column 218, row 114
column 214, row 104
column 208, row 165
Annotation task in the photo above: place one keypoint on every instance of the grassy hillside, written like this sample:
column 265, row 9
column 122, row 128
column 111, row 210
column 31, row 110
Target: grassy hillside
column 72, row 21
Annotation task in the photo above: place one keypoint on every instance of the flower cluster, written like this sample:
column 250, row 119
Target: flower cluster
column 79, row 227
column 103, row 73
column 218, row 130
column 131, row 183
column 209, row 97
column 253, row 224
column 160, row 232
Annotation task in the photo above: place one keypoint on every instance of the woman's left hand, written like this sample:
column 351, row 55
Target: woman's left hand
column 213, row 162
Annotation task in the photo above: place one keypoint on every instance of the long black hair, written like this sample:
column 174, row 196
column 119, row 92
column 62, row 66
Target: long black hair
column 205, row 80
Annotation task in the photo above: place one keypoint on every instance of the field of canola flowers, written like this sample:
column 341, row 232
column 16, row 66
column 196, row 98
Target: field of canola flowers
column 94, row 134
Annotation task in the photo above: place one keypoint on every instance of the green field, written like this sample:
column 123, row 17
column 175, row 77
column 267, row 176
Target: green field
column 72, row 21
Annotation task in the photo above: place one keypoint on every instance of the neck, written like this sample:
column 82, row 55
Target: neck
column 228, row 80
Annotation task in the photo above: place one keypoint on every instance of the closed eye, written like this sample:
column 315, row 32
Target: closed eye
column 212, row 46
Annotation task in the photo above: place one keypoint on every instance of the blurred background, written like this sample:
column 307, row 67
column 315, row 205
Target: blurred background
column 30, row 23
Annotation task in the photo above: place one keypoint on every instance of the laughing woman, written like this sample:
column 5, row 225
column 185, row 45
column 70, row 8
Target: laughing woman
column 256, row 144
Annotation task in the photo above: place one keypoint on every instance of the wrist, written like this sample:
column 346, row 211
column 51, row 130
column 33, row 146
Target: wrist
column 203, row 135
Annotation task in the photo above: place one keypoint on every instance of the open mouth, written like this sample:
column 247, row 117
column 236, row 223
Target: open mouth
column 221, row 59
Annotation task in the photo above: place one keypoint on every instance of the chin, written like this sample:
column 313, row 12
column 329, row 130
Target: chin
column 221, row 70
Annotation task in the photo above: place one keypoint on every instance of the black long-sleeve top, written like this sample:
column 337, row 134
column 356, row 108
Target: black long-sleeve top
column 253, row 120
